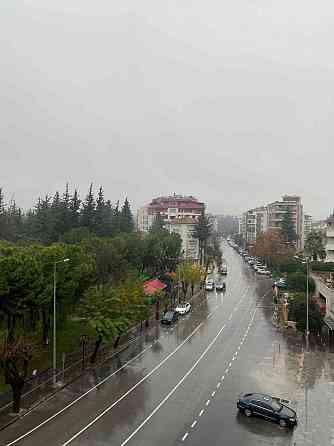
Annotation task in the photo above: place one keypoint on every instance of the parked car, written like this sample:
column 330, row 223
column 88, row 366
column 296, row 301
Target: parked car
column 221, row 286
column 263, row 271
column 268, row 407
column 223, row 269
column 209, row 286
column 183, row 308
column 169, row 317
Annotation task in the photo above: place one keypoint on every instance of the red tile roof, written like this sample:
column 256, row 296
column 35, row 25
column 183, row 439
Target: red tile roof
column 153, row 286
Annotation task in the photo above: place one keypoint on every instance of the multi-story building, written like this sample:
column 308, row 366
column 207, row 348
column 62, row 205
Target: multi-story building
column 260, row 219
column 179, row 213
column 185, row 227
column 289, row 204
column 252, row 223
column 330, row 239
column 308, row 226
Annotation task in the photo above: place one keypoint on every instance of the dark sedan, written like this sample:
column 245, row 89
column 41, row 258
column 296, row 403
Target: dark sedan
column 267, row 407
column 169, row 317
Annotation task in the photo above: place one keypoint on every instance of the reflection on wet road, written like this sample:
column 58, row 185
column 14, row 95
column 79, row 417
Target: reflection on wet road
column 178, row 385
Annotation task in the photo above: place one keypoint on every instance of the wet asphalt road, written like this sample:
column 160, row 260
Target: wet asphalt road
column 179, row 385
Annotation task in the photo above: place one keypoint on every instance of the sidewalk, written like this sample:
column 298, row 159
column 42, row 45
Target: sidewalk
column 36, row 394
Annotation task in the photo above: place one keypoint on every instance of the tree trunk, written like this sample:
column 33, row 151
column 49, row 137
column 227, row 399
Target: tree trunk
column 46, row 326
column 117, row 341
column 17, row 388
column 192, row 289
column 96, row 349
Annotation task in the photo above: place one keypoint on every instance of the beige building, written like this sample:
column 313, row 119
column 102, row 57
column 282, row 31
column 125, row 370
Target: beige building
column 260, row 219
column 330, row 239
column 180, row 213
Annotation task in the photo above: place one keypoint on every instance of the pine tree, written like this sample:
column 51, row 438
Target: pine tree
column 116, row 220
column 88, row 210
column 126, row 218
column 202, row 232
column 100, row 214
column 74, row 207
column 65, row 211
column 288, row 228
column 2, row 215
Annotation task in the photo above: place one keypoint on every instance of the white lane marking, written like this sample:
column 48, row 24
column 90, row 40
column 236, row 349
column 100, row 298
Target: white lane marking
column 201, row 413
column 105, row 379
column 194, row 424
column 185, row 436
column 230, row 364
column 223, row 377
column 209, row 315
column 213, row 393
column 208, row 402
column 218, row 385
column 185, row 376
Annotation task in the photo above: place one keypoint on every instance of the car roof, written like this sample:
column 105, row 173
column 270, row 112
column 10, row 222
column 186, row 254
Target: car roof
column 258, row 396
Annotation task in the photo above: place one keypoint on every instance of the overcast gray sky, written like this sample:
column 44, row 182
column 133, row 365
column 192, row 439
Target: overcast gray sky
column 231, row 101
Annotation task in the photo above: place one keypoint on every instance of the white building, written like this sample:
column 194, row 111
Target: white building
column 180, row 213
column 308, row 226
column 185, row 228
column 330, row 239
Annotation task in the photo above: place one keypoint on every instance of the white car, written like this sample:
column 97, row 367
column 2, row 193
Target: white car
column 209, row 286
column 183, row 308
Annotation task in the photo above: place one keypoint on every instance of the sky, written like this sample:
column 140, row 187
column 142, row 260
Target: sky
column 232, row 102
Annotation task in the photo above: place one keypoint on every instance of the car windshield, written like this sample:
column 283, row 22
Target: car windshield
column 276, row 406
column 168, row 315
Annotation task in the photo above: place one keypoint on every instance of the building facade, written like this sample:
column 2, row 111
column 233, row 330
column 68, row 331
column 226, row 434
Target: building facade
column 180, row 214
column 308, row 226
column 330, row 239
column 270, row 217
column 252, row 223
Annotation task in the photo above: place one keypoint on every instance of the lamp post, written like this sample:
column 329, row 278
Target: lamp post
column 307, row 299
column 54, row 319
column 83, row 341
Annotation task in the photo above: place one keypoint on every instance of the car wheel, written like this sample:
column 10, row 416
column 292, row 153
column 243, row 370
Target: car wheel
column 248, row 412
column 282, row 423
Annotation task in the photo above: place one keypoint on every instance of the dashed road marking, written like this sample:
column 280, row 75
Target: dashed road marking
column 218, row 385
column 213, row 393
column 185, row 436
column 208, row 402
column 194, row 424
column 201, row 413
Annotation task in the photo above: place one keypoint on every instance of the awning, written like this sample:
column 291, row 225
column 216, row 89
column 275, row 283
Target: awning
column 153, row 286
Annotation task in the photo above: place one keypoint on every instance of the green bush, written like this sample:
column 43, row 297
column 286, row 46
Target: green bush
column 319, row 266
column 297, row 282
column 297, row 313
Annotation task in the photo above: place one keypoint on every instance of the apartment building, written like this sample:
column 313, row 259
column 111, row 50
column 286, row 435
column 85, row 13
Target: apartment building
column 271, row 216
column 308, row 226
column 330, row 239
column 252, row 223
column 290, row 204
column 180, row 214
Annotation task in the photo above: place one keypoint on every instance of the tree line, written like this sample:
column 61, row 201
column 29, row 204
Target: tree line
column 64, row 217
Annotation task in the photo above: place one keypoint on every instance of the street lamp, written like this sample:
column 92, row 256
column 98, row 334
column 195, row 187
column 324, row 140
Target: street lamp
column 307, row 299
column 54, row 319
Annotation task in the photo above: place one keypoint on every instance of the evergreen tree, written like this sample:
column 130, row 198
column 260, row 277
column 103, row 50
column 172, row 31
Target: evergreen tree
column 65, row 211
column 202, row 232
column 126, row 218
column 14, row 222
column 116, row 220
column 108, row 219
column 314, row 245
column 43, row 222
column 88, row 210
column 288, row 228
column 74, row 207
column 2, row 215
column 100, row 214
